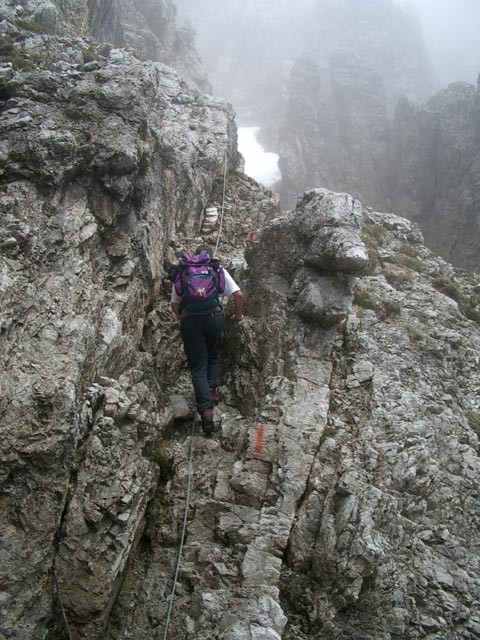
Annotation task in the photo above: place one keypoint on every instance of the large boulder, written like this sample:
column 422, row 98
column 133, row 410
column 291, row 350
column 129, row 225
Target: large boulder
column 308, row 256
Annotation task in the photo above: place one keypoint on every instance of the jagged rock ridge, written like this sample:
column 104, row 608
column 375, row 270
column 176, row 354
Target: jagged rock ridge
column 147, row 27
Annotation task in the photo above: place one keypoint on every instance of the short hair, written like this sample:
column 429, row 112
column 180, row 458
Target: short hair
column 204, row 247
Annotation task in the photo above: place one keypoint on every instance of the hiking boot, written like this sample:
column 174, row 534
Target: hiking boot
column 208, row 425
column 215, row 395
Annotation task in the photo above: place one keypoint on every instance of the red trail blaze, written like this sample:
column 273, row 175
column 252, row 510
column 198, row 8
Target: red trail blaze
column 259, row 440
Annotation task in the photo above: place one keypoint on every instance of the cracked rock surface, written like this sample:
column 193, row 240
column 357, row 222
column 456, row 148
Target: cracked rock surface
column 338, row 498
column 319, row 509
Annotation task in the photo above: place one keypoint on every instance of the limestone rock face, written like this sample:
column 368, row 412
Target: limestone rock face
column 247, row 481
column 147, row 27
column 50, row 16
column 383, row 456
column 101, row 166
column 332, row 221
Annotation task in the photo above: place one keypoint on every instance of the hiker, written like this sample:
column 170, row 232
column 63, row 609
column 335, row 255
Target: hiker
column 199, row 282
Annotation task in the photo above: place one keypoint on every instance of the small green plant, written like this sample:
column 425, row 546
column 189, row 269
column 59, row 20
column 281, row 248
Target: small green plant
column 467, row 305
column 90, row 55
column 398, row 279
column 363, row 299
column 372, row 237
column 373, row 261
column 421, row 315
column 451, row 390
column 163, row 458
column 20, row 62
column 341, row 327
column 329, row 432
column 411, row 263
column 29, row 25
column 392, row 308
column 296, row 594
column 475, row 300
column 414, row 333
column 470, row 311
column 6, row 47
column 19, row 57
column 105, row 49
column 448, row 287
column 409, row 250
column 373, row 234
column 474, row 421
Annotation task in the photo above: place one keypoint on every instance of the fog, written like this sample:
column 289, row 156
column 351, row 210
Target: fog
column 257, row 54
column 451, row 29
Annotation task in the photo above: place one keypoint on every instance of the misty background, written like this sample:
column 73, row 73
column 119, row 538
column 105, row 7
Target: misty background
column 376, row 98
column 451, row 29
column 241, row 37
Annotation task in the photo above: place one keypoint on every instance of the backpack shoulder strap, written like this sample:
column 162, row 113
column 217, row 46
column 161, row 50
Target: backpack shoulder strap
column 219, row 274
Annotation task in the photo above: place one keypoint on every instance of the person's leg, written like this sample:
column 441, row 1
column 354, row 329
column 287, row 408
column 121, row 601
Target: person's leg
column 196, row 350
column 213, row 334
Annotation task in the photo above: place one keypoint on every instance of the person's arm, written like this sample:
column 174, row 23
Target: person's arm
column 175, row 303
column 176, row 310
column 232, row 289
column 237, row 306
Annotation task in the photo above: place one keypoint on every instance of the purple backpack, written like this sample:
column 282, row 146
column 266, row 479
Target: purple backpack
column 198, row 281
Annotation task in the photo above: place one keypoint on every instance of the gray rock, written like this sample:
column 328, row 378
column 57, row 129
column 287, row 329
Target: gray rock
column 344, row 478
column 86, row 281
column 325, row 300
column 181, row 409
column 148, row 28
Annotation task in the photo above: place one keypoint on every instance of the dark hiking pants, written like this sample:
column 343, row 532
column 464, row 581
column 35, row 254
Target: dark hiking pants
column 202, row 335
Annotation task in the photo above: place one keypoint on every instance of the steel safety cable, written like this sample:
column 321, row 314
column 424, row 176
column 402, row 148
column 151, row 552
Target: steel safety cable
column 59, row 598
column 223, row 204
column 184, row 527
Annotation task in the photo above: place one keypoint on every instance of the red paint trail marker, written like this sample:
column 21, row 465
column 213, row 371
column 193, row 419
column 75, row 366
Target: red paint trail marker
column 259, row 440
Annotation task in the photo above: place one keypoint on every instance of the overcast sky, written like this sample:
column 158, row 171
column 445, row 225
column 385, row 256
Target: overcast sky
column 452, row 33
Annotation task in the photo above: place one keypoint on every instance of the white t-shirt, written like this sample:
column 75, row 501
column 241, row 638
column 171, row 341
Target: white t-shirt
column 230, row 288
